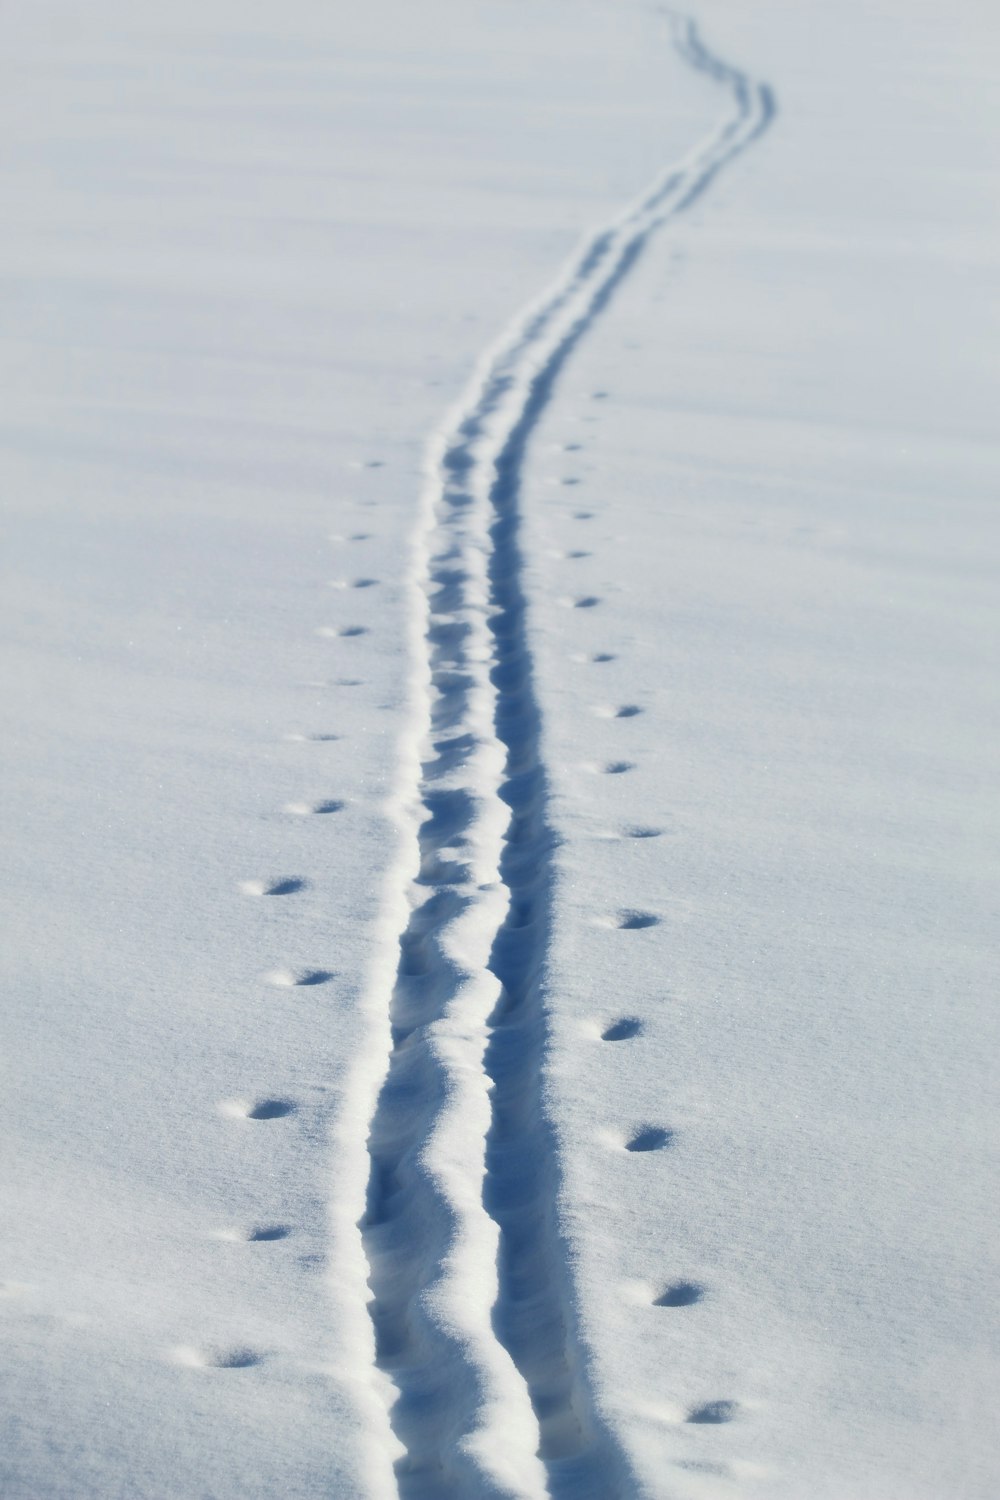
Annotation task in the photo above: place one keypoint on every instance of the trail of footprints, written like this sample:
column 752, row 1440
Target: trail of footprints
column 480, row 465
column 647, row 1137
column 265, row 1108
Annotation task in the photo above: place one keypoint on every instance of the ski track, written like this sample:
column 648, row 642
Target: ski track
column 471, row 1293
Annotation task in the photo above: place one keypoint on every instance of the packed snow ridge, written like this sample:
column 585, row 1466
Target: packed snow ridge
column 472, row 1297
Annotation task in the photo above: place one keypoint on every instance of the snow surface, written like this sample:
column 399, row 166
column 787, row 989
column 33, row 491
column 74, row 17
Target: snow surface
column 485, row 498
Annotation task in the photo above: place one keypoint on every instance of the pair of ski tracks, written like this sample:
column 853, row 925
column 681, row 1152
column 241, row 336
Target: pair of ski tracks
column 471, row 1294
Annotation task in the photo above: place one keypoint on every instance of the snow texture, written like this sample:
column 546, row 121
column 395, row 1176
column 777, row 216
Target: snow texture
column 498, row 643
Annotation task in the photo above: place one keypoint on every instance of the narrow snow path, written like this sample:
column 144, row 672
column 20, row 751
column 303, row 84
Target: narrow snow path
column 471, row 1297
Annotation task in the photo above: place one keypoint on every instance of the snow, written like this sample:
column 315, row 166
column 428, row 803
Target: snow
column 680, row 1111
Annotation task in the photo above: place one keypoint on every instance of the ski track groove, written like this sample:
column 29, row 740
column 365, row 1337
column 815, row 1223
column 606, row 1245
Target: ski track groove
column 471, row 1292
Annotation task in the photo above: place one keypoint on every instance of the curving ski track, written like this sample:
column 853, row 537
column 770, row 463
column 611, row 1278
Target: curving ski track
column 472, row 1301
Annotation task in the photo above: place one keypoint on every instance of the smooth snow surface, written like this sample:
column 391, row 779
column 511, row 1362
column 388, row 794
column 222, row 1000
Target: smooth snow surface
column 499, row 642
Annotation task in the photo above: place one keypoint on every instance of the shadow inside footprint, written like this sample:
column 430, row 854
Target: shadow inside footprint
column 650, row 1138
column 714, row 1412
column 285, row 887
column 271, row 1109
column 681, row 1294
column 631, row 921
column 231, row 1359
column 621, row 1030
column 641, row 833
column 587, row 602
column 268, row 1232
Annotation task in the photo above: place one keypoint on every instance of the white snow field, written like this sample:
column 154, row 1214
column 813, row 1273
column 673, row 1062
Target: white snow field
column 499, row 640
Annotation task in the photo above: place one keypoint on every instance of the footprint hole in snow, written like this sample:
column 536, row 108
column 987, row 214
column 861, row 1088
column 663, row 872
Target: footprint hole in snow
column 620, row 1031
column 236, row 1357
column 286, row 979
column 632, row 921
column 270, row 1109
column 257, row 1109
column 304, row 809
column 713, row 1412
column 256, row 1234
column 650, row 1138
column 617, row 711
column 285, row 885
column 680, row 1294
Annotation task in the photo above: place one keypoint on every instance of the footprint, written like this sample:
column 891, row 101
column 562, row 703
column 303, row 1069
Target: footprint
column 610, row 711
column 286, row 886
column 257, row 1109
column 303, row 809
column 583, row 515
column 641, row 833
column 331, row 632
column 714, row 1412
column 598, row 395
column 588, row 601
column 681, row 1294
column 360, row 536
column 572, row 447
column 620, row 1031
column 286, row 979
column 217, row 1358
column 616, row 767
column 632, row 921
column 576, row 555
column 650, row 1138
column 364, row 583
column 570, row 479
column 257, row 1234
